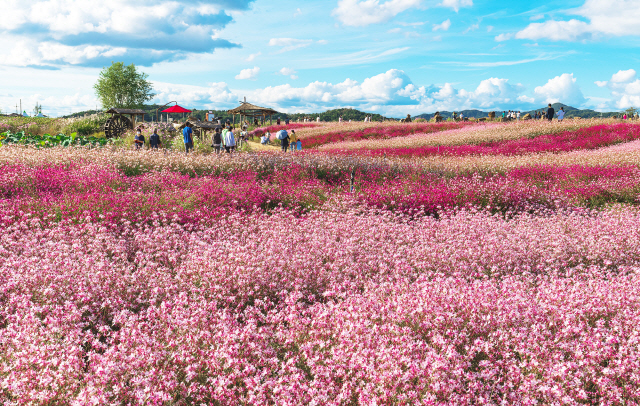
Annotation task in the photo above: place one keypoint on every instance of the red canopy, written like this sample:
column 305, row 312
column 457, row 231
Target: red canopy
column 176, row 109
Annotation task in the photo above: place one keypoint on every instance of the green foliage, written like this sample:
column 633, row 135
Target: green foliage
column 87, row 126
column 122, row 86
column 48, row 140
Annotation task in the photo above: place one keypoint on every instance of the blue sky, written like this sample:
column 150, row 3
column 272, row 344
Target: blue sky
column 394, row 57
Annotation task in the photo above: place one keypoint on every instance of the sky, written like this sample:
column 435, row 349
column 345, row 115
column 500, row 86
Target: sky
column 393, row 57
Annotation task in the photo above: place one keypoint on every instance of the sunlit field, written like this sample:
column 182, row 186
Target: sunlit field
column 393, row 264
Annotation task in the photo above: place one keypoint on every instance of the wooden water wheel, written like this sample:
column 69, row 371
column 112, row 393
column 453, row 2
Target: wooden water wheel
column 116, row 126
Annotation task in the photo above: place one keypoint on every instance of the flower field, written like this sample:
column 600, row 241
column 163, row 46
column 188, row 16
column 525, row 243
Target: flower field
column 502, row 268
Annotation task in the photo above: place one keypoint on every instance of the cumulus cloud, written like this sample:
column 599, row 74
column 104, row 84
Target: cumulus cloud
column 456, row 4
column 174, row 27
column 248, row 74
column 613, row 18
column 625, row 88
column 563, row 89
column 289, row 72
column 444, row 26
column 360, row 13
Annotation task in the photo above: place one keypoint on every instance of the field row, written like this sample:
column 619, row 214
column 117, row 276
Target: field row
column 333, row 307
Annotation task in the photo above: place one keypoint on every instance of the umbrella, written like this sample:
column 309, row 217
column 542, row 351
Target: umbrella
column 282, row 134
column 176, row 109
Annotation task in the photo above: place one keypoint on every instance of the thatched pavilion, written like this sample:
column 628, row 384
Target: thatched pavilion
column 250, row 111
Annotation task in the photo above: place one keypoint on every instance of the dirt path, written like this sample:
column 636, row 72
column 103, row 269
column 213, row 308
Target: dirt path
column 256, row 146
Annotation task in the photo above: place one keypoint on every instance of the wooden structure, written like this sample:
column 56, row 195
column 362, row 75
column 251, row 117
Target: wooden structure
column 250, row 111
column 119, row 123
column 200, row 128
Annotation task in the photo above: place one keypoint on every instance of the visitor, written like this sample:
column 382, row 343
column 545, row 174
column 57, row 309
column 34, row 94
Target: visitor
column 340, row 119
column 229, row 140
column 284, row 143
column 293, row 140
column 286, row 121
column 625, row 116
column 154, row 140
column 561, row 114
column 242, row 137
column 518, row 115
column 217, row 140
column 139, row 139
column 318, row 119
column 461, row 116
column 187, row 135
column 278, row 121
column 550, row 112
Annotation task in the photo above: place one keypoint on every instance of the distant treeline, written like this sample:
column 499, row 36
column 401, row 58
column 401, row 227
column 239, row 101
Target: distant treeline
column 357, row 115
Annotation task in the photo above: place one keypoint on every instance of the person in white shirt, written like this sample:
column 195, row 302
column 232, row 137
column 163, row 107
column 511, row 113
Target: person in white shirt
column 518, row 115
column 461, row 116
column 318, row 119
column 229, row 140
column 560, row 114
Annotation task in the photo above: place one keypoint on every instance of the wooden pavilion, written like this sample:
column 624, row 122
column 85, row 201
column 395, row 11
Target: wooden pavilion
column 252, row 112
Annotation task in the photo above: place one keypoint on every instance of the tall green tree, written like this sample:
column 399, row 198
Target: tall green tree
column 123, row 86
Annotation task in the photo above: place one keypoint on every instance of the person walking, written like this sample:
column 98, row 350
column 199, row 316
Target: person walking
column 139, row 139
column 229, row 140
column 560, row 114
column 217, row 140
column 154, row 140
column 187, row 135
column 284, row 143
column 550, row 112
column 293, row 141
column 518, row 115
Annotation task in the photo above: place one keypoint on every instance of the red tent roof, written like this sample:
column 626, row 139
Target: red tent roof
column 176, row 109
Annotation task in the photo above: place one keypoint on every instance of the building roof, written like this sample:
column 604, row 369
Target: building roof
column 249, row 109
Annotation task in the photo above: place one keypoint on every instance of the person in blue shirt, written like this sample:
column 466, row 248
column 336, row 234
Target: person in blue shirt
column 187, row 133
column 139, row 140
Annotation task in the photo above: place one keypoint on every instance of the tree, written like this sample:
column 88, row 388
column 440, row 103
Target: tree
column 122, row 86
column 37, row 109
column 631, row 111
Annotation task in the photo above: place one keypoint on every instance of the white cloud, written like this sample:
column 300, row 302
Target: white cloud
column 359, row 13
column 248, row 74
column 605, row 18
column 444, row 26
column 503, row 37
column 289, row 44
column 456, row 4
column 164, row 27
column 297, row 13
column 625, row 88
column 623, row 76
column 562, row 89
column 252, row 57
column 289, row 72
column 571, row 30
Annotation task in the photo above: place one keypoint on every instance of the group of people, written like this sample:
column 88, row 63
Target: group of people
column 514, row 115
column 223, row 138
column 289, row 143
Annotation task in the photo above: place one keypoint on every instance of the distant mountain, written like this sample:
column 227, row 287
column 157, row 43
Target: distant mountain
column 574, row 112
column 449, row 114
column 570, row 112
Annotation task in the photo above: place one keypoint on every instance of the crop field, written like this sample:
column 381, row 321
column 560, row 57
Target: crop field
column 385, row 264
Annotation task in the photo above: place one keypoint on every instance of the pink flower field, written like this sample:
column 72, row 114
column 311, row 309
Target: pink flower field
column 509, row 275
